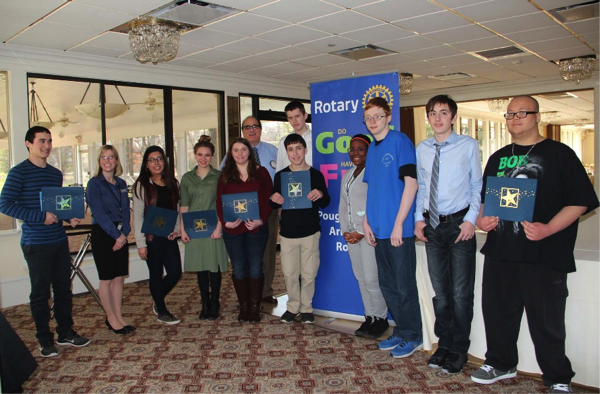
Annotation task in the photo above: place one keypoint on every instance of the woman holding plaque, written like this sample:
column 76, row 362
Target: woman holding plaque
column 106, row 195
column 245, row 240
column 353, row 203
column 157, row 186
column 207, row 256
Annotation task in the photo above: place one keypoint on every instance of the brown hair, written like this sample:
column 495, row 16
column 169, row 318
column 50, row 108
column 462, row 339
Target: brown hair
column 230, row 173
column 204, row 142
column 379, row 102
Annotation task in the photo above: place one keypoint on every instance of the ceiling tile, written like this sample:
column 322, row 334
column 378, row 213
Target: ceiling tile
column 134, row 7
column 566, row 53
column 409, row 44
column 433, row 53
column 538, row 70
column 519, row 23
column 290, row 53
column 251, row 46
column 111, row 40
column 226, row 67
column 456, row 60
column 353, row 66
column 417, row 67
column 283, row 68
column 324, row 60
column 474, row 68
column 243, row 5
column 460, row 3
column 216, row 55
column 380, row 33
column 387, row 60
column 32, row 9
column 352, row 3
column 342, row 22
column 471, row 81
column 494, row 10
column 293, row 35
column 550, row 45
column 246, row 24
column 516, row 61
column 187, row 49
column 12, row 24
column 483, row 44
column 250, row 62
column 547, row 33
column 187, row 62
column 433, row 22
column 460, row 34
column 586, row 26
column 436, row 71
column 552, row 4
column 330, row 44
column 64, row 36
column 291, row 11
column 82, row 15
column 391, row 11
column 92, row 50
column 500, row 74
column 41, row 43
column 209, row 38
column 591, row 38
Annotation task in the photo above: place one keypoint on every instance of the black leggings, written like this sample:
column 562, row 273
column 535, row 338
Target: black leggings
column 163, row 253
column 209, row 280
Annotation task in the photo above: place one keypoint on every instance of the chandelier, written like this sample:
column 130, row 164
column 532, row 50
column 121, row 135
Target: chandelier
column 153, row 40
column 406, row 83
column 94, row 110
column 581, row 122
column 577, row 68
column 498, row 105
column 34, row 119
column 548, row 116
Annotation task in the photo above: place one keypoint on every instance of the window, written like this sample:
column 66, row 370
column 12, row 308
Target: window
column 6, row 222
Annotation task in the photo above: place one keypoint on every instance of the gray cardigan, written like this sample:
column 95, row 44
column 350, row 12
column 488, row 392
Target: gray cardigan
column 353, row 204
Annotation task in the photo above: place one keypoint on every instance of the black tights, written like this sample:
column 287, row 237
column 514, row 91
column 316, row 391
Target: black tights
column 209, row 281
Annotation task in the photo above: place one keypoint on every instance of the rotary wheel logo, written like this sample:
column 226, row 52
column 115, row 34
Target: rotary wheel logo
column 378, row 91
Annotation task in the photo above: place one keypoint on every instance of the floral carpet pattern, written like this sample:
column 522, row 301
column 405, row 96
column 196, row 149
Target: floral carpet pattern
column 225, row 356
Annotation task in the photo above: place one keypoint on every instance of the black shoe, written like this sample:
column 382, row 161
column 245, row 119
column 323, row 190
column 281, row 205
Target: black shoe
column 438, row 358
column 307, row 318
column 378, row 328
column 205, row 312
column 47, row 349
column 288, row 317
column 130, row 328
column 168, row 318
column 454, row 363
column 215, row 310
column 123, row 330
column 73, row 339
column 363, row 330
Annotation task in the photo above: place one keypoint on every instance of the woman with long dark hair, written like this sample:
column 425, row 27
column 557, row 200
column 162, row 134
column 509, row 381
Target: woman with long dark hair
column 106, row 195
column 206, row 256
column 157, row 186
column 245, row 240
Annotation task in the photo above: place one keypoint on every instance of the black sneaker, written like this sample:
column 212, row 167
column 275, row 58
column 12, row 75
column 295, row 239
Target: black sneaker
column 378, row 328
column 73, row 339
column 154, row 309
column 438, row 358
column 307, row 318
column 167, row 318
column 288, row 317
column 363, row 330
column 454, row 363
column 47, row 349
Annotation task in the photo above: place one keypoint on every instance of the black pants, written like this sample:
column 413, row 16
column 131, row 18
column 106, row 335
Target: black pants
column 508, row 289
column 163, row 253
column 50, row 265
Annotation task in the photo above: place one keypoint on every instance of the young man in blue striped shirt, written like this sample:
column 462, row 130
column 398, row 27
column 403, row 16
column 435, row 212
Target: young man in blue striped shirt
column 44, row 242
column 448, row 202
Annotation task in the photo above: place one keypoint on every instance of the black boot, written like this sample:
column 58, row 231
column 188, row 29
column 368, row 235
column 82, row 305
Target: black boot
column 205, row 312
column 241, row 289
column 256, row 289
column 215, row 307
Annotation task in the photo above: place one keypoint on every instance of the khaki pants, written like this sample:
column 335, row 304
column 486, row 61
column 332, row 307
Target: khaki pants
column 270, row 257
column 300, row 259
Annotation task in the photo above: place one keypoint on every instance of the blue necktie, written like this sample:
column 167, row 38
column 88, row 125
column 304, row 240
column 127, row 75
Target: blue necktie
column 256, row 155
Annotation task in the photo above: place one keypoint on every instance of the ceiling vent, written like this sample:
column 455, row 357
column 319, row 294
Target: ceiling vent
column 500, row 53
column 451, row 77
column 193, row 12
column 576, row 12
column 363, row 52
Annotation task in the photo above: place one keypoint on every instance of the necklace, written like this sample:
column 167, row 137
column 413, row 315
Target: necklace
column 529, row 151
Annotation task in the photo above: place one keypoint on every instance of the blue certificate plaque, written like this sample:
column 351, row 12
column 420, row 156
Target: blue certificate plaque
column 510, row 198
column 65, row 202
column 295, row 186
column 240, row 206
column 159, row 221
column 199, row 224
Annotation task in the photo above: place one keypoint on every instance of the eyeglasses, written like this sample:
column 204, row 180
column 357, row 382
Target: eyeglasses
column 359, row 150
column 251, row 126
column 156, row 159
column 520, row 114
column 376, row 118
column 107, row 157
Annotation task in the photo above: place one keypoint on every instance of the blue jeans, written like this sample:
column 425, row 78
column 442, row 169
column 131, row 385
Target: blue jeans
column 50, row 265
column 452, row 272
column 246, row 252
column 397, row 267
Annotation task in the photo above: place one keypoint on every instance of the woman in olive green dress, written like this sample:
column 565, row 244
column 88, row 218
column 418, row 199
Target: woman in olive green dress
column 206, row 256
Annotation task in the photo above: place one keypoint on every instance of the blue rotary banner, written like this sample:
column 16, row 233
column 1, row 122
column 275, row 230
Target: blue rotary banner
column 337, row 112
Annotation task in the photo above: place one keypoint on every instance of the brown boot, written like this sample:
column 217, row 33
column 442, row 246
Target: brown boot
column 256, row 289
column 241, row 289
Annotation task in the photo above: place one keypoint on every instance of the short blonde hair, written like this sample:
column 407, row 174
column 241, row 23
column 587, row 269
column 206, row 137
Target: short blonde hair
column 118, row 166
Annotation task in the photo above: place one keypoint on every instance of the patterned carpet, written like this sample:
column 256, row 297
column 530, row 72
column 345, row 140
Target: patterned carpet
column 226, row 356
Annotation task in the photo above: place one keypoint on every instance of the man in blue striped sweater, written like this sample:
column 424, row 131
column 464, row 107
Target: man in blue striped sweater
column 44, row 242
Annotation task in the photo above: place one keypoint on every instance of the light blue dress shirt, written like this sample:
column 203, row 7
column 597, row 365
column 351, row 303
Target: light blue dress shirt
column 268, row 158
column 460, row 179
